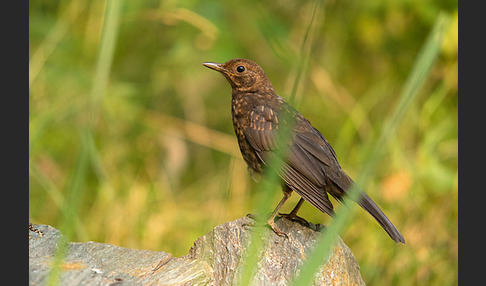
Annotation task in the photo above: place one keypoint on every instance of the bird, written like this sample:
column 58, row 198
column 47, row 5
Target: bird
column 268, row 128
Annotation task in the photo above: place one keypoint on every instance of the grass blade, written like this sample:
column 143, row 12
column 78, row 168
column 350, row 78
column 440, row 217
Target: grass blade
column 422, row 66
column 105, row 55
column 70, row 209
column 306, row 48
column 267, row 187
column 75, row 189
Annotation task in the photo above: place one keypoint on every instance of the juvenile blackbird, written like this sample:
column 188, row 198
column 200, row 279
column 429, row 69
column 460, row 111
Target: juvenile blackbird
column 310, row 166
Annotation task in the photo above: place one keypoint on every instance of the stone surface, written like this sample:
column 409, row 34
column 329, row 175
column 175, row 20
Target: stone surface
column 215, row 259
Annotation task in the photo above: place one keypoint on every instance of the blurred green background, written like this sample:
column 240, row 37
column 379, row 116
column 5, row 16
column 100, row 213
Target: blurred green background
column 131, row 141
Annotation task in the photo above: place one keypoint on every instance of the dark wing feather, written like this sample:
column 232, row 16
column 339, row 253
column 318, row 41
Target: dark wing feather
column 314, row 143
column 302, row 171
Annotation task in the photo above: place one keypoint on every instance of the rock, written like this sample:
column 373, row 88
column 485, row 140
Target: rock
column 215, row 259
column 94, row 263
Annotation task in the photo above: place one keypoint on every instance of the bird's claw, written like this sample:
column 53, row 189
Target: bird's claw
column 269, row 223
column 277, row 231
column 294, row 217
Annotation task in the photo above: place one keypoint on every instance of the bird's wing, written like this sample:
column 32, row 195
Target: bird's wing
column 314, row 143
column 304, row 168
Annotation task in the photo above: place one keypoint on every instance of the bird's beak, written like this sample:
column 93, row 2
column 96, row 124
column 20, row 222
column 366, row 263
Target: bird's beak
column 215, row 66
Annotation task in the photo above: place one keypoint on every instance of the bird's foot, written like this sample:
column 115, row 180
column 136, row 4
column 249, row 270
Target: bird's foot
column 269, row 223
column 275, row 229
column 255, row 221
column 252, row 216
column 294, row 217
column 252, row 223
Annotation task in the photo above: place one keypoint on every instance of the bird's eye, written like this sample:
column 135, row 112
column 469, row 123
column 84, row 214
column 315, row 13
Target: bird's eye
column 240, row 69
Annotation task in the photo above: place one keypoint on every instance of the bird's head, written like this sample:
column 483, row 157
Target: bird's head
column 243, row 75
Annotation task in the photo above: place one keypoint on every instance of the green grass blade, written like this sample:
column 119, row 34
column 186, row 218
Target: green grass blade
column 306, row 48
column 422, row 66
column 75, row 189
column 272, row 180
column 105, row 55
column 267, row 188
column 70, row 211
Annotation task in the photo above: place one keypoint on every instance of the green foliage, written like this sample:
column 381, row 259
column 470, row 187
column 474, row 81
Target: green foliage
column 133, row 145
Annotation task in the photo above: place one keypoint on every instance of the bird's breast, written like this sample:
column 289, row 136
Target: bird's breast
column 240, row 111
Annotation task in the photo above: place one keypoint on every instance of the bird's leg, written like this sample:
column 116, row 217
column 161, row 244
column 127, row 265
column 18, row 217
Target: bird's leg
column 287, row 192
column 293, row 214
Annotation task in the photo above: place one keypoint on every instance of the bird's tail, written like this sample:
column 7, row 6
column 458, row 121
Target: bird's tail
column 369, row 205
